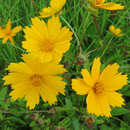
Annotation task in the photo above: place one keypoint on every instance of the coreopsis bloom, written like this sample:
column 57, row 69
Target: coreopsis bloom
column 101, row 88
column 47, row 42
column 55, row 7
column 32, row 79
column 7, row 33
column 115, row 31
column 108, row 6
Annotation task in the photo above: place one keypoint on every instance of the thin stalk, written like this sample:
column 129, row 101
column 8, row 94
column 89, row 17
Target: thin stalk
column 97, row 26
column 77, row 39
column 109, row 43
column 84, row 27
column 17, row 47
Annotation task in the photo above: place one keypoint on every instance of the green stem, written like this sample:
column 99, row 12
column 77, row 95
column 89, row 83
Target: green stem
column 92, row 43
column 97, row 27
column 84, row 27
column 77, row 39
column 84, row 97
column 109, row 43
column 17, row 47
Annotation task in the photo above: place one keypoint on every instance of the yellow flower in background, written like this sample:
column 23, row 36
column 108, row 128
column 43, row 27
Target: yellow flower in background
column 7, row 33
column 108, row 6
column 47, row 42
column 101, row 88
column 32, row 79
column 115, row 31
column 55, row 7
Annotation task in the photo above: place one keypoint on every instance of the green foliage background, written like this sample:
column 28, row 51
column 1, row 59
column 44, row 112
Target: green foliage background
column 70, row 110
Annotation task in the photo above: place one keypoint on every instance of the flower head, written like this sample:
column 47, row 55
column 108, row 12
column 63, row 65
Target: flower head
column 101, row 88
column 115, row 31
column 108, row 6
column 7, row 33
column 32, row 79
column 48, row 42
column 55, row 7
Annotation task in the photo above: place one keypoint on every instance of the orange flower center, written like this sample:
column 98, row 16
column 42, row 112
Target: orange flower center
column 47, row 45
column 98, row 88
column 8, row 33
column 36, row 80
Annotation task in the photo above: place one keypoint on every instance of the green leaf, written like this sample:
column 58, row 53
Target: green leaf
column 126, row 90
column 123, row 129
column 119, row 111
column 75, row 123
column 99, row 121
column 65, row 122
column 1, row 116
column 3, row 93
column 17, row 120
column 105, row 127
column 68, row 103
column 3, row 103
column 32, row 124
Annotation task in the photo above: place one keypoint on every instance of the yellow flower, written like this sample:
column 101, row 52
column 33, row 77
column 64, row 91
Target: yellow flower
column 32, row 79
column 7, row 33
column 48, row 42
column 55, row 7
column 108, row 6
column 101, row 88
column 115, row 31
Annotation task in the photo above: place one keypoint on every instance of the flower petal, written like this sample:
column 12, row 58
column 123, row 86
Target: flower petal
column 54, row 26
column 109, row 71
column 55, row 7
column 57, row 4
column 98, row 105
column 42, row 67
column 111, row 6
column 115, row 99
column 19, row 67
column 111, row 28
column 111, row 79
column 62, row 47
column 48, row 95
column 96, row 69
column 99, row 2
column 64, row 35
column 118, row 32
column 45, row 56
column 115, row 31
column 57, row 86
column 14, row 78
column 87, row 77
column 8, row 26
column 80, row 86
column 46, row 12
column 39, row 27
column 11, row 40
column 1, row 32
column 32, row 97
column 20, row 90
column 56, row 83
column 5, row 40
column 15, row 30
